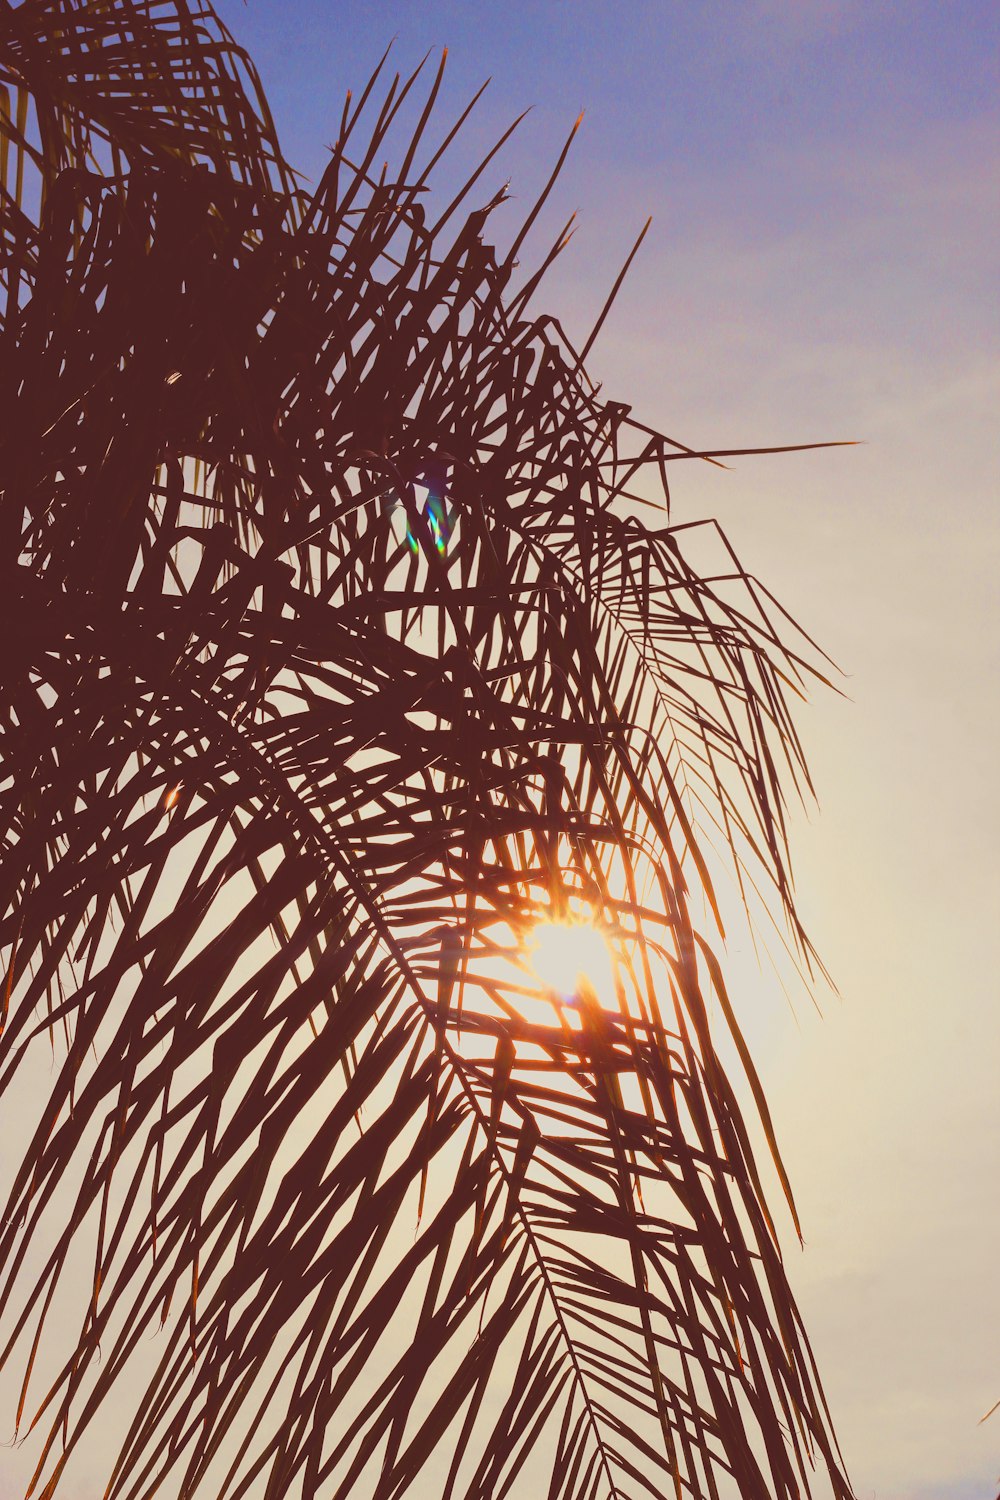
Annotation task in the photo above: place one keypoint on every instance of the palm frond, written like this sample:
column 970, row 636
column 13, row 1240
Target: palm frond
column 337, row 658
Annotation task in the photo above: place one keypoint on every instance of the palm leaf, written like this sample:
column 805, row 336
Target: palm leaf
column 338, row 657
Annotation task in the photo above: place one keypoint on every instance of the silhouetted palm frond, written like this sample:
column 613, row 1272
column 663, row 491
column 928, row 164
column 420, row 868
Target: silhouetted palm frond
column 336, row 658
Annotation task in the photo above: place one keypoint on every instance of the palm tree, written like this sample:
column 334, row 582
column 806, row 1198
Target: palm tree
column 345, row 678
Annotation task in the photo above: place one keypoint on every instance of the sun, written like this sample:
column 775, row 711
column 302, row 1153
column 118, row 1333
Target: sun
column 567, row 955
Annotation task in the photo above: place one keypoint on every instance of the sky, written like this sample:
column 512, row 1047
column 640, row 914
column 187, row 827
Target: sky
column 822, row 263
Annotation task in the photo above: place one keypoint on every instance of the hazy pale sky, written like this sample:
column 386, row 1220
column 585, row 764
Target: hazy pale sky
column 822, row 264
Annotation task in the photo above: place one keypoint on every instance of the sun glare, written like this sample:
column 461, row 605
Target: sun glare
column 566, row 955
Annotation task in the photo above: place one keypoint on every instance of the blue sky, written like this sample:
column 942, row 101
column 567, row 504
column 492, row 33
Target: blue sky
column 822, row 263
column 737, row 127
column 716, row 83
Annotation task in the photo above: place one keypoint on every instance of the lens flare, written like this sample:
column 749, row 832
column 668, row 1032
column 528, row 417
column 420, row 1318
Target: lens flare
column 568, row 955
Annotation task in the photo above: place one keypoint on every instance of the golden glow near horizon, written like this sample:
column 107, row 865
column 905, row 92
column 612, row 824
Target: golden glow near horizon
column 565, row 955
